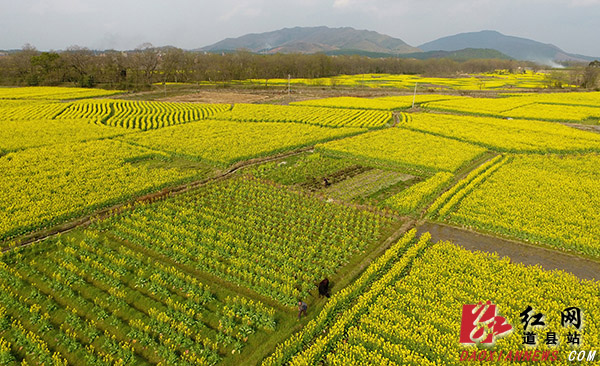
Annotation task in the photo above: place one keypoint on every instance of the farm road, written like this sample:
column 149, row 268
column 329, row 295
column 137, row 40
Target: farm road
column 517, row 252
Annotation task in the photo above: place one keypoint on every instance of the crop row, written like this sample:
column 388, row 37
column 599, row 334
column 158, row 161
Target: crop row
column 32, row 111
column 404, row 325
column 406, row 310
column 307, row 346
column 543, row 199
column 551, row 107
column 364, row 184
column 89, row 301
column 275, row 242
column 404, row 149
column 330, row 117
column 53, row 93
column 383, row 103
column 223, row 143
column 44, row 186
column 507, row 135
column 141, row 115
column 452, row 196
column 415, row 196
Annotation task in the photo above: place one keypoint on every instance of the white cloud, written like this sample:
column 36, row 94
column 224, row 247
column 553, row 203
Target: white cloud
column 63, row 7
column 56, row 24
column 341, row 3
column 245, row 9
column 583, row 3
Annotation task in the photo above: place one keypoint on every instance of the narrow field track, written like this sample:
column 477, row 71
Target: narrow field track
column 518, row 252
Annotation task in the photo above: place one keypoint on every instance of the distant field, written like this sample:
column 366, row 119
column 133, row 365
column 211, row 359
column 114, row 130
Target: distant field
column 328, row 117
column 405, row 149
column 579, row 107
column 223, row 143
column 140, row 115
column 53, row 93
column 383, row 103
column 490, row 81
column 507, row 135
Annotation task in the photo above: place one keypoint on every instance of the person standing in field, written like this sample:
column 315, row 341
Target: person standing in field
column 324, row 288
column 301, row 309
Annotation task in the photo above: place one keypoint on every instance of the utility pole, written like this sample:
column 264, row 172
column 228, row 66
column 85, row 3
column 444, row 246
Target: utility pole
column 289, row 83
column 415, row 95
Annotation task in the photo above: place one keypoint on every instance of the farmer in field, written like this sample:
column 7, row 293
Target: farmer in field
column 324, row 288
column 301, row 309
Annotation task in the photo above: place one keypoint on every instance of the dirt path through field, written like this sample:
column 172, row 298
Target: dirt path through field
column 516, row 251
column 219, row 97
column 85, row 220
column 588, row 128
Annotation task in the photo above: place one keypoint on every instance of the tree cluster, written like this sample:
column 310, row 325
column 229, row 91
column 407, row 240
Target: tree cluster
column 145, row 65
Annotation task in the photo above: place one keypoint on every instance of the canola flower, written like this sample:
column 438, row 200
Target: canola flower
column 382, row 103
column 223, row 143
column 76, row 291
column 140, row 115
column 404, row 149
column 17, row 135
column 106, row 303
column 46, row 185
column 507, row 135
column 53, row 93
column 352, row 103
column 545, row 199
column 411, row 313
column 342, row 299
column 253, row 234
column 31, row 111
column 555, row 112
column 448, row 199
column 330, row 117
column 415, row 196
column 573, row 107
column 499, row 80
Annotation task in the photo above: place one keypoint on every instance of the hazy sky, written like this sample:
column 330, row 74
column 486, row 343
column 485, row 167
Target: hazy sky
column 573, row 25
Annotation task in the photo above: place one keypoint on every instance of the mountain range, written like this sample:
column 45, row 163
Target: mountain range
column 313, row 40
column 514, row 47
column 347, row 40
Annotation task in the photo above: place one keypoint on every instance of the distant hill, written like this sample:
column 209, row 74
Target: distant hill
column 313, row 40
column 460, row 55
column 515, row 47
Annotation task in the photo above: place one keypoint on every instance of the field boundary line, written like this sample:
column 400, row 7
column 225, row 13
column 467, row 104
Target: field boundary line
column 425, row 225
column 85, row 220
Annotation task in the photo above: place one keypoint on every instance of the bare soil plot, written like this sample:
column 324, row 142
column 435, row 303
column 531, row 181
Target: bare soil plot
column 516, row 251
column 218, row 97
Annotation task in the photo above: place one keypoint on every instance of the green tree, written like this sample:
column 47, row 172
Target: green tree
column 591, row 75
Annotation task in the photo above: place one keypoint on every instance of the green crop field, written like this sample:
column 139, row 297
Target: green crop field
column 143, row 232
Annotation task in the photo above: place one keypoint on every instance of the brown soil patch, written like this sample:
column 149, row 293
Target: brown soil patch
column 218, row 97
column 518, row 252
column 589, row 128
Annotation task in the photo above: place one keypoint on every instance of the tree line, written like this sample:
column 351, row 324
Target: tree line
column 140, row 68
